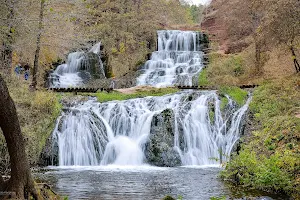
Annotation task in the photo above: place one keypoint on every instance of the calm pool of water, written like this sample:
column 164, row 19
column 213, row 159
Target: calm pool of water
column 141, row 183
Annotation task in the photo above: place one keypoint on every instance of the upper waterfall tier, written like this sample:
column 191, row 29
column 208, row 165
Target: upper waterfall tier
column 79, row 68
column 186, row 128
column 178, row 60
column 173, row 40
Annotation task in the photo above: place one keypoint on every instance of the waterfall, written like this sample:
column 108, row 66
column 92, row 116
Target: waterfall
column 117, row 132
column 185, row 128
column 77, row 69
column 177, row 60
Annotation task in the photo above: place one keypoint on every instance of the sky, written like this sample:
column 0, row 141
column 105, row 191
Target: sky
column 199, row 1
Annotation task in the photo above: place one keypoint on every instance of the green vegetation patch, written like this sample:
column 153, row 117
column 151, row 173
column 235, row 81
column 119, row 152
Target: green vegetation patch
column 37, row 112
column 115, row 95
column 224, row 102
column 236, row 93
column 270, row 160
column 225, row 69
column 203, row 79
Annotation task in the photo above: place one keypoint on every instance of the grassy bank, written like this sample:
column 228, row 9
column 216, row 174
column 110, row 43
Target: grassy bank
column 270, row 155
column 138, row 93
column 37, row 112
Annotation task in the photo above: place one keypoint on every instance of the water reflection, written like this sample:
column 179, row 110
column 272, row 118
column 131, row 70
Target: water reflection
column 132, row 183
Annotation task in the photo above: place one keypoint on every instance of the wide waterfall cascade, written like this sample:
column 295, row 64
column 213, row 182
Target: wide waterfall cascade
column 177, row 61
column 77, row 68
column 116, row 132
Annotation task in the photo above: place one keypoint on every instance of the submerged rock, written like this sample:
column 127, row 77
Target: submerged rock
column 159, row 149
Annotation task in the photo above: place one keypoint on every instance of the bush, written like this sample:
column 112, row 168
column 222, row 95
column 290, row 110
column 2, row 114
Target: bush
column 225, row 70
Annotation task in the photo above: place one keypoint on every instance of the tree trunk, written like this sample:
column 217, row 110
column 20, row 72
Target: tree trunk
column 1, row 183
column 296, row 63
column 21, row 181
column 257, row 55
column 38, row 46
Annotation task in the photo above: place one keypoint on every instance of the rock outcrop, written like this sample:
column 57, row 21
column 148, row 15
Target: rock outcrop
column 159, row 150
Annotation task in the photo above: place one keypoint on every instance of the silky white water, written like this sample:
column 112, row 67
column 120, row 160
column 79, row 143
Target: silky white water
column 78, row 65
column 116, row 132
column 178, row 60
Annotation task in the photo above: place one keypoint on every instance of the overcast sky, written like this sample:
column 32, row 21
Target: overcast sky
column 199, row 1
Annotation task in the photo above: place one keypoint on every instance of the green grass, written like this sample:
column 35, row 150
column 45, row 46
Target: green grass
column 37, row 112
column 224, row 102
column 218, row 198
column 112, row 96
column 203, row 79
column 224, row 70
column 236, row 93
column 270, row 160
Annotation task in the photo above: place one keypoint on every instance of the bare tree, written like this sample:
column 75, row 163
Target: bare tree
column 21, row 180
column 282, row 25
column 38, row 45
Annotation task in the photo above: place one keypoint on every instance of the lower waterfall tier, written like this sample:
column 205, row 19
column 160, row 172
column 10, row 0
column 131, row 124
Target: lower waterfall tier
column 186, row 128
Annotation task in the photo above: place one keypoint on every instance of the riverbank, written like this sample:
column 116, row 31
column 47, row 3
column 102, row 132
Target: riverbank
column 269, row 158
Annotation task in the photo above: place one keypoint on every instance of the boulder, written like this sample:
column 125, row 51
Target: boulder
column 159, row 149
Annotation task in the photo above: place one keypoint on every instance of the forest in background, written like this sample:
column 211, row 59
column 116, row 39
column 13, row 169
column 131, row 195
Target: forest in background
column 127, row 29
column 261, row 36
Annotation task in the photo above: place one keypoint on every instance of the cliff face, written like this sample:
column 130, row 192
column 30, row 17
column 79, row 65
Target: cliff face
column 216, row 25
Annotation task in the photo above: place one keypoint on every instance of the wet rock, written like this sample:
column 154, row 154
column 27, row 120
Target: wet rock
column 247, row 127
column 72, row 101
column 49, row 155
column 128, row 80
column 93, row 61
column 159, row 150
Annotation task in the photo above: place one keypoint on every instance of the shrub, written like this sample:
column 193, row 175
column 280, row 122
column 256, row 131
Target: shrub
column 270, row 160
